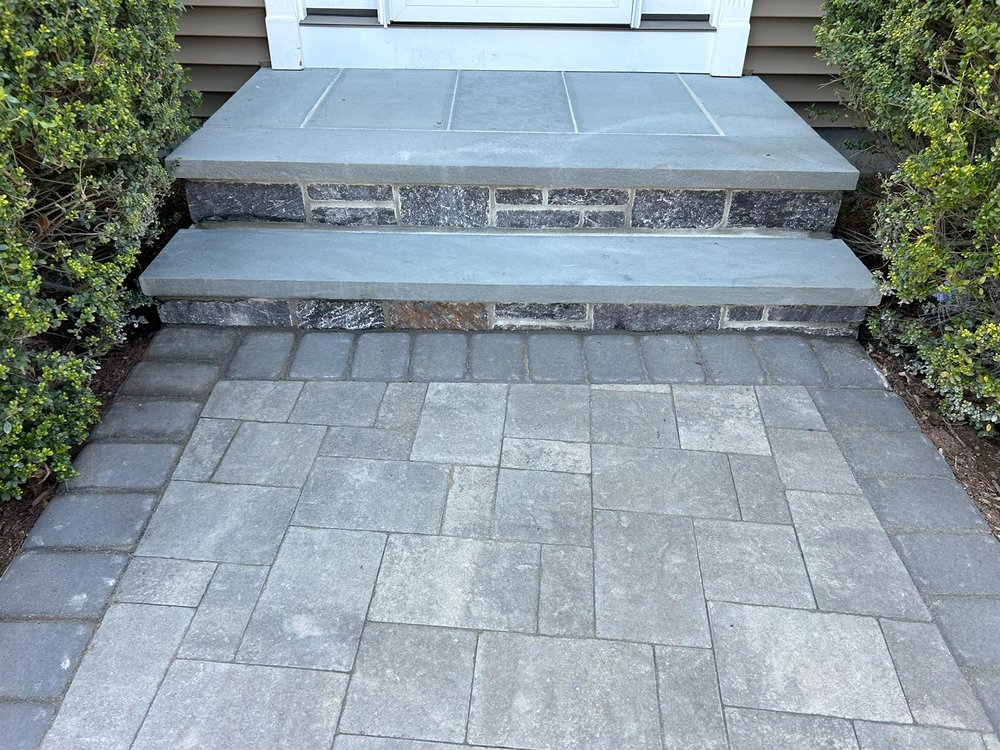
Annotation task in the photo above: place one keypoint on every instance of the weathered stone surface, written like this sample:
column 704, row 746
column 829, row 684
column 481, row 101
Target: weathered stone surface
column 585, row 197
column 669, row 318
column 223, row 613
column 542, row 219
column 678, row 209
column 438, row 316
column 39, row 658
column 245, row 312
column 543, row 506
column 783, row 209
column 91, row 521
column 769, row 730
column 444, row 206
column 603, row 219
column 816, row 313
column 345, row 192
column 347, row 315
column 566, row 594
column 171, row 583
column 354, row 216
column 690, row 710
column 541, row 310
column 521, row 196
column 245, row 201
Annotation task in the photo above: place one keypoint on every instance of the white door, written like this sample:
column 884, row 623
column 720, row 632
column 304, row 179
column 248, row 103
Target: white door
column 584, row 12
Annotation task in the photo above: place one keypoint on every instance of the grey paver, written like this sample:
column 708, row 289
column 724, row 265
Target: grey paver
column 633, row 417
column 851, row 563
column 893, row 737
column 462, row 423
column 752, row 563
column 934, row 687
column 863, row 409
column 880, row 454
column 194, row 343
column 641, row 593
column 258, row 400
column 220, row 706
column 789, row 360
column 220, row 523
column 381, row 356
column 969, row 626
column 672, row 359
column 471, row 495
column 157, row 580
column 663, row 481
column 563, row 694
column 805, row 662
column 411, row 681
column 323, row 356
column 789, row 406
column 350, row 493
column 918, row 503
column 952, row 563
column 223, row 613
column 277, row 455
column 767, row 730
column 205, row 449
column 613, row 359
column 720, row 418
column 39, row 658
column 759, row 490
column 147, row 420
column 366, row 442
column 690, row 708
column 847, row 365
column 462, row 583
column 124, row 466
column 176, row 379
column 730, row 360
column 811, row 461
column 440, row 356
column 555, row 358
column 566, row 596
column 401, row 406
column 543, row 506
column 498, row 357
column 91, row 521
column 116, row 682
column 60, row 584
column 262, row 355
column 313, row 605
column 22, row 725
column 336, row 403
column 545, row 455
column 549, row 412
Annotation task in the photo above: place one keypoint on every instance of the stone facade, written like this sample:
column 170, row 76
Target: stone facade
column 530, row 208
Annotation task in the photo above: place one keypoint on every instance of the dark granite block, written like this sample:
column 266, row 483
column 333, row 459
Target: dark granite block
column 543, row 219
column 444, row 206
column 328, row 192
column 782, row 209
column 541, row 311
column 604, row 219
column 745, row 312
column 519, row 196
column 678, row 209
column 583, row 197
column 672, row 318
column 347, row 315
column 243, row 312
column 438, row 316
column 245, row 201
column 816, row 313
column 354, row 216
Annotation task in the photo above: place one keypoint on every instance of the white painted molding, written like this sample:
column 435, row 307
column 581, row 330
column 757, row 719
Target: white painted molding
column 731, row 19
column 283, row 19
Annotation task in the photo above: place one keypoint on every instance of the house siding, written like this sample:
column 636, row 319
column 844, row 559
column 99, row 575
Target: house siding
column 223, row 42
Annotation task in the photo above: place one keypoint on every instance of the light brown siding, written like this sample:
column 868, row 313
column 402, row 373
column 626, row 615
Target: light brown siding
column 224, row 41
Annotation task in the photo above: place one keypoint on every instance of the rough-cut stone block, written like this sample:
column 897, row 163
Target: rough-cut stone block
column 672, row 318
column 341, row 192
column 438, row 316
column 543, row 219
column 245, row 312
column 603, row 219
column 678, row 209
column 816, row 313
column 519, row 196
column 444, row 206
column 354, row 216
column 245, row 201
column 782, row 209
column 584, row 197
column 92, row 521
column 39, row 658
column 346, row 315
column 541, row 310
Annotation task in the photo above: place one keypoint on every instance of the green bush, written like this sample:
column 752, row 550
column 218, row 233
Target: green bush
column 925, row 76
column 89, row 97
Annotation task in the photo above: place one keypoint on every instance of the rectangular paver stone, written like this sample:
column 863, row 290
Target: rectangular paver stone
column 258, row 400
column 60, row 584
column 323, row 356
column 39, row 658
column 205, row 448
column 633, row 417
column 462, row 423
column 549, row 412
column 566, row 598
column 157, row 580
column 92, row 521
column 223, row 613
column 720, row 418
column 690, row 708
column 768, row 730
column 277, row 455
column 353, row 404
column 262, row 355
column 672, row 359
column 124, row 466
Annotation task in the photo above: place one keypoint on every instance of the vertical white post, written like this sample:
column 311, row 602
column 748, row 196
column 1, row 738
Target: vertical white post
column 282, row 19
column 731, row 19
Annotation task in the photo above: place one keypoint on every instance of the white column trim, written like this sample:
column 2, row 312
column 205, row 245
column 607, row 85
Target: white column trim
column 283, row 20
column 731, row 19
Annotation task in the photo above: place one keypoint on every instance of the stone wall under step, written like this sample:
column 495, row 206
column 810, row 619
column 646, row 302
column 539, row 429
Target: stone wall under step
column 478, row 316
column 470, row 207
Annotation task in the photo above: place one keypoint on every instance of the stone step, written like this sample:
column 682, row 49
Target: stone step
column 403, row 279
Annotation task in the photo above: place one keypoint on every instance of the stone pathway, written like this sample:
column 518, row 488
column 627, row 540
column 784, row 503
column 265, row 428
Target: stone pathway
column 623, row 542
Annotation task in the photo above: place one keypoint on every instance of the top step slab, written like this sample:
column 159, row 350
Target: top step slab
column 557, row 129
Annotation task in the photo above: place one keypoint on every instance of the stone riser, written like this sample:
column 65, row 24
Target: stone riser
column 631, row 209
column 478, row 316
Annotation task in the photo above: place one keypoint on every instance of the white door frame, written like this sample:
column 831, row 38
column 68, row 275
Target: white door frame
column 720, row 52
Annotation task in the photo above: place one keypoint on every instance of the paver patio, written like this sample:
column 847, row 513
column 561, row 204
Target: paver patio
column 748, row 545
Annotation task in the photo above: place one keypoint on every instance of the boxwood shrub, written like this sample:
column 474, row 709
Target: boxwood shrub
column 925, row 77
column 90, row 95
